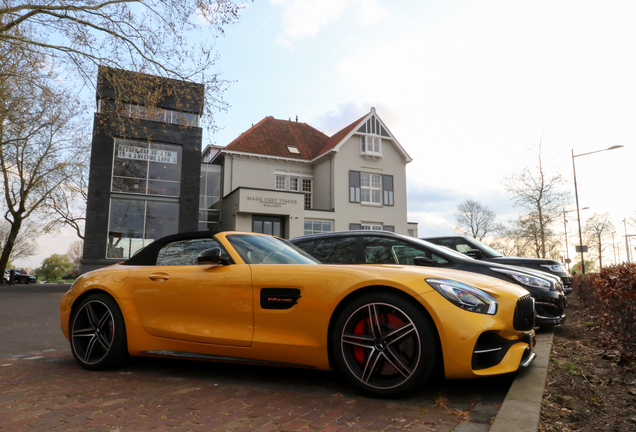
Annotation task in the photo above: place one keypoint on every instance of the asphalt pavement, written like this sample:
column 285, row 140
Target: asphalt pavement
column 43, row 388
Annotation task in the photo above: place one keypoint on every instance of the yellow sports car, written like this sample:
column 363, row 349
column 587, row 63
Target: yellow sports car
column 253, row 298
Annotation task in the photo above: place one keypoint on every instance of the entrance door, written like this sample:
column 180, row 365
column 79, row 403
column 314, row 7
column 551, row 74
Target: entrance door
column 272, row 225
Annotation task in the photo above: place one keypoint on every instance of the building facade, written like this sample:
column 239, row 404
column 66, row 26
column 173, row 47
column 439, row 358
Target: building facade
column 145, row 164
column 288, row 179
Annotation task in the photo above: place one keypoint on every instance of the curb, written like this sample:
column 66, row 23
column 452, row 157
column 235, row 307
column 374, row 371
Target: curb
column 521, row 409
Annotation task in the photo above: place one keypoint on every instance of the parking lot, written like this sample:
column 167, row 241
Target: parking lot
column 44, row 389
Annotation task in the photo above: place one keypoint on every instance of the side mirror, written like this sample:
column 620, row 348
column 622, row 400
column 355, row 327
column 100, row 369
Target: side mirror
column 212, row 256
column 424, row 261
column 475, row 253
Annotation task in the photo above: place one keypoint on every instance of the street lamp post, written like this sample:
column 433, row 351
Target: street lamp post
column 565, row 228
column 576, row 194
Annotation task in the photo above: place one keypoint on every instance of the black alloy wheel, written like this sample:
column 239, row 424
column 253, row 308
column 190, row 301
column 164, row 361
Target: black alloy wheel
column 98, row 333
column 384, row 345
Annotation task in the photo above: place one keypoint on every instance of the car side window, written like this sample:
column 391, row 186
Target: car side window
column 383, row 250
column 185, row 252
column 337, row 250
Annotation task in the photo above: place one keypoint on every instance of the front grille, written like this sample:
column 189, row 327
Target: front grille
column 524, row 314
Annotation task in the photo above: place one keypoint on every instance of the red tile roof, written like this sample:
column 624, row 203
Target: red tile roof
column 271, row 137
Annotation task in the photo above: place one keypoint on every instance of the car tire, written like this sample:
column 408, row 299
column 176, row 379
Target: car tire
column 23, row 281
column 392, row 357
column 98, row 333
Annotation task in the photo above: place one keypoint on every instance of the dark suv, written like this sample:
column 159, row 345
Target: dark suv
column 382, row 247
column 476, row 249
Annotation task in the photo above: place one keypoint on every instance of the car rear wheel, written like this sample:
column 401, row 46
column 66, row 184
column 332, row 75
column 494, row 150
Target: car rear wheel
column 384, row 345
column 23, row 281
column 98, row 333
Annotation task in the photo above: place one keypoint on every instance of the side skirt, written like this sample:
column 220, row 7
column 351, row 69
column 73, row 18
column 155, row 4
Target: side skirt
column 197, row 356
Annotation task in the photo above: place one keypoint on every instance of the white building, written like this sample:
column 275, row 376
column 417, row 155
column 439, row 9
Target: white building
column 288, row 179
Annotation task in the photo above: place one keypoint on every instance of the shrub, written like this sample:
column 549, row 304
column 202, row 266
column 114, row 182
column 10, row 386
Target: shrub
column 612, row 292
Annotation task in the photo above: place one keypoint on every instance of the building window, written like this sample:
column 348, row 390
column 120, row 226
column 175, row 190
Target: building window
column 148, row 168
column 293, row 149
column 148, row 113
column 135, row 223
column 371, row 227
column 316, row 227
column 370, row 141
column 209, row 196
column 371, row 146
column 296, row 184
column 281, row 182
column 370, row 188
column 293, row 184
column 307, row 192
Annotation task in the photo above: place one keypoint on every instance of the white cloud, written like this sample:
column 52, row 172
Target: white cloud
column 302, row 18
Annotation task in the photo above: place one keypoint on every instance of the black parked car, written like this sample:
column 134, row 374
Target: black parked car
column 476, row 249
column 23, row 277
column 382, row 247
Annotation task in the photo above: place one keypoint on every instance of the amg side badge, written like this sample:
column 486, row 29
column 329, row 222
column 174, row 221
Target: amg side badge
column 279, row 298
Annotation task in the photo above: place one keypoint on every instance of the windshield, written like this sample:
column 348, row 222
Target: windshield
column 483, row 247
column 440, row 249
column 257, row 249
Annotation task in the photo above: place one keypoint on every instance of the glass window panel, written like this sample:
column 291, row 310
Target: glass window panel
column 267, row 227
column 165, row 162
column 376, row 196
column 293, row 183
column 326, row 227
column 126, row 221
column 258, row 226
column 365, row 180
column 164, row 188
column 376, row 182
column 129, row 185
column 276, row 229
column 162, row 219
column 130, row 159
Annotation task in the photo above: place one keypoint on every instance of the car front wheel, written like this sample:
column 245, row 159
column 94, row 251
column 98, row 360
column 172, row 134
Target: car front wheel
column 98, row 333
column 384, row 345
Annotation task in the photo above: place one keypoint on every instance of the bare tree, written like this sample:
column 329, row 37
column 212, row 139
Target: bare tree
column 475, row 219
column 25, row 244
column 149, row 36
column 541, row 195
column 68, row 203
column 74, row 253
column 39, row 139
column 597, row 230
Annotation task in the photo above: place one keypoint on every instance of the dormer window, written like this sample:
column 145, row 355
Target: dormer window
column 371, row 141
column 371, row 146
column 293, row 149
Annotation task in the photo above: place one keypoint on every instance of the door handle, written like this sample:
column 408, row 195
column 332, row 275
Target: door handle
column 160, row 277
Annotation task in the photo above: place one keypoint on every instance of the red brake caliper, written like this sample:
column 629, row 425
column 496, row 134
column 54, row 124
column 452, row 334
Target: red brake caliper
column 362, row 327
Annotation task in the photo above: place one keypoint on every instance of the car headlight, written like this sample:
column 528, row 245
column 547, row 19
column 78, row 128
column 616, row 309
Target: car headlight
column 465, row 296
column 526, row 279
column 556, row 268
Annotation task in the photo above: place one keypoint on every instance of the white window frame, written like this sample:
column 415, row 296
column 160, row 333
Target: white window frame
column 370, row 189
column 280, row 180
column 372, row 227
column 322, row 229
column 308, row 193
column 371, row 145
column 292, row 180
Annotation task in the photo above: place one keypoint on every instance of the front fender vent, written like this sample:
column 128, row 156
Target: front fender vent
column 524, row 314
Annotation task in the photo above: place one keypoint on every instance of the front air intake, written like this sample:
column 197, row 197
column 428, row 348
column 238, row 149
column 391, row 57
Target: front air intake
column 524, row 314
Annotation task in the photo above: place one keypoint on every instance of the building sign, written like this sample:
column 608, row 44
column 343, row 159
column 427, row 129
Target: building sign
column 145, row 154
column 272, row 201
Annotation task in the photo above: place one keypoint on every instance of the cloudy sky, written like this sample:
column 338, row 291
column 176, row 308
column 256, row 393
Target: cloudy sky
column 469, row 89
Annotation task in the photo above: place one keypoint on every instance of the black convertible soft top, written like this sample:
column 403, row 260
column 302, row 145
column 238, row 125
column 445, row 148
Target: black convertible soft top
column 148, row 255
